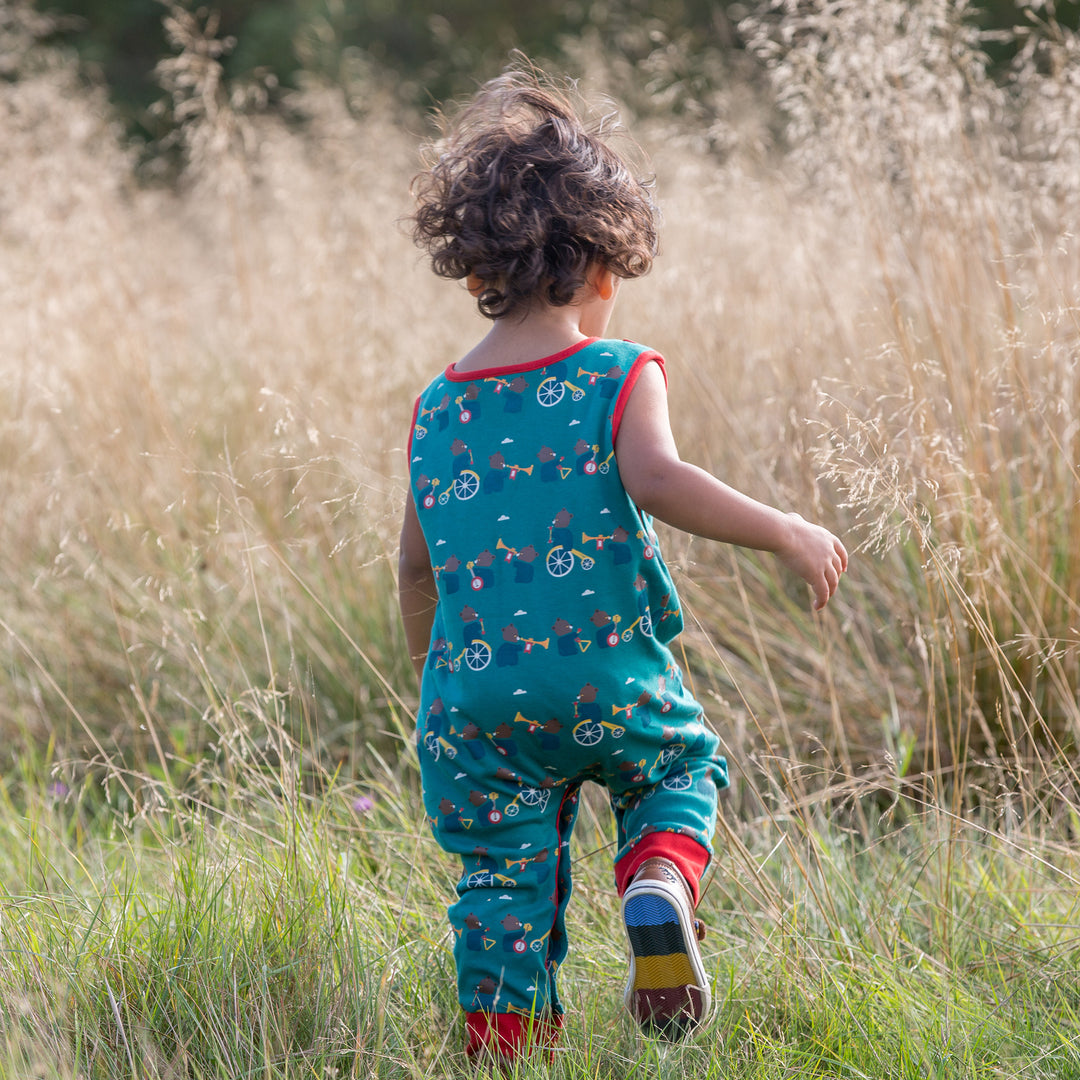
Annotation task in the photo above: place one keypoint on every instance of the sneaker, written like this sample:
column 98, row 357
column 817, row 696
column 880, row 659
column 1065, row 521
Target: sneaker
column 667, row 992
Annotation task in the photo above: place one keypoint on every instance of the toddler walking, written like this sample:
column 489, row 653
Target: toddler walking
column 537, row 607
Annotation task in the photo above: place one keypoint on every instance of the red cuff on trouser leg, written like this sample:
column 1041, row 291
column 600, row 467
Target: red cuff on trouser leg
column 687, row 854
column 509, row 1035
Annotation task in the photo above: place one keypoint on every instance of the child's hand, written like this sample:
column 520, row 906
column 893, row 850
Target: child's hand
column 816, row 556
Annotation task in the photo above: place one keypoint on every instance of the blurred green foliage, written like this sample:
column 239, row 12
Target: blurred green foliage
column 427, row 50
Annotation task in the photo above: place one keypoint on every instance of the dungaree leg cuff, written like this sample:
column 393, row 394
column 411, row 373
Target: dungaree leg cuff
column 687, row 854
column 507, row 1037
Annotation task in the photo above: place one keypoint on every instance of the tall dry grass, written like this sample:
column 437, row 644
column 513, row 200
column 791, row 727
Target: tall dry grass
column 202, row 392
column 869, row 305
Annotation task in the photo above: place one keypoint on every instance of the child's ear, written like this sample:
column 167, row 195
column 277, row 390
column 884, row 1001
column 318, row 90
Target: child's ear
column 475, row 285
column 602, row 280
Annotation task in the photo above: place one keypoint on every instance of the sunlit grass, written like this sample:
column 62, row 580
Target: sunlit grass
column 283, row 935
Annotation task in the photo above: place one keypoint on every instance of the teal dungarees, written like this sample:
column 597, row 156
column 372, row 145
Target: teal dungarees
column 549, row 662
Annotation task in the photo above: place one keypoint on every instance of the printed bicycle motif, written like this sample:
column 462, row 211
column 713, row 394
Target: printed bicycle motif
column 538, row 943
column 464, row 412
column 527, row 796
column 485, row 879
column 560, row 560
column 560, row 557
column 419, row 429
column 677, row 781
column 464, row 486
column 644, row 621
column 436, row 745
column 669, row 754
column 589, row 732
column 551, row 390
column 590, row 466
column 476, row 654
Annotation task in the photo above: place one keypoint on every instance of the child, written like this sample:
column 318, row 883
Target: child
column 537, row 608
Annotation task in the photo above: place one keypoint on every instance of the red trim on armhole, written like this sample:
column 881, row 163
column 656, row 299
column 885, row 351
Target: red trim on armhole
column 412, row 432
column 645, row 357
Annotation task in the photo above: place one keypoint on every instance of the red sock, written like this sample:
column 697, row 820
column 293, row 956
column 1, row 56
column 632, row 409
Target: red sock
column 507, row 1036
column 688, row 855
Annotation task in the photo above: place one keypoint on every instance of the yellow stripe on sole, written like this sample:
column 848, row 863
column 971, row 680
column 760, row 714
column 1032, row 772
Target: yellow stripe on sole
column 663, row 972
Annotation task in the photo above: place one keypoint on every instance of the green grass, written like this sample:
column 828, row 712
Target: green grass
column 297, row 936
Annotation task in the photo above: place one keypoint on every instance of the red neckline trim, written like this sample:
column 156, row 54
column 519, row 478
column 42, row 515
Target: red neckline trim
column 516, row 369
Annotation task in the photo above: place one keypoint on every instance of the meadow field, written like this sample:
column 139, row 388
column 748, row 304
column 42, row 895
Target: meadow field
column 213, row 857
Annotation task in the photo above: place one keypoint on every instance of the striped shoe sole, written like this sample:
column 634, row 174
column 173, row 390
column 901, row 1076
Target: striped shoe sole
column 667, row 991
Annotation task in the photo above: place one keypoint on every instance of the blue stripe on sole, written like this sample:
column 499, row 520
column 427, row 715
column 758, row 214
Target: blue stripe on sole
column 649, row 910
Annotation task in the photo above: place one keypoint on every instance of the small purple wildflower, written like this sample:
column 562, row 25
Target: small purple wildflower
column 362, row 804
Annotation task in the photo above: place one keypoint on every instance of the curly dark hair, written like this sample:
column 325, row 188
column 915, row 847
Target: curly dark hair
column 525, row 195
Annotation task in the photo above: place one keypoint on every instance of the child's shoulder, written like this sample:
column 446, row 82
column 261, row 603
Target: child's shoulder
column 620, row 344
column 622, row 350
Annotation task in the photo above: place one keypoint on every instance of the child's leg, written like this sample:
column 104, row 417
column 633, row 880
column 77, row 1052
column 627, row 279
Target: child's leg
column 668, row 809
column 514, row 891
column 508, row 920
column 509, row 916
column 666, row 817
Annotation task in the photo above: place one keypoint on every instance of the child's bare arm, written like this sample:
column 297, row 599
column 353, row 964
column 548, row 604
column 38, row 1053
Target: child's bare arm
column 690, row 498
column 416, row 588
